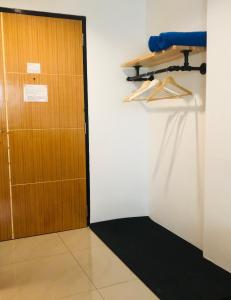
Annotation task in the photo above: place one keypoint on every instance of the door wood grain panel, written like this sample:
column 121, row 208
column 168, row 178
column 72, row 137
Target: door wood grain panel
column 49, row 207
column 64, row 109
column 73, row 153
column 5, row 211
column 55, row 43
column 37, row 209
column 74, row 204
column 47, row 155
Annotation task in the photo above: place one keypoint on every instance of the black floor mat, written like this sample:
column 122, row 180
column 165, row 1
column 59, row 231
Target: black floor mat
column 172, row 268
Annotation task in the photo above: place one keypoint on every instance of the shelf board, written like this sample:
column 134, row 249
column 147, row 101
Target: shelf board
column 157, row 58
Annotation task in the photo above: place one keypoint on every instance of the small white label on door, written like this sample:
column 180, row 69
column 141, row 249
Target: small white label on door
column 33, row 68
column 35, row 93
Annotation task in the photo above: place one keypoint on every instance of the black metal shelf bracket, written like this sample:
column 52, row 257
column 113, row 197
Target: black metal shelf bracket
column 184, row 68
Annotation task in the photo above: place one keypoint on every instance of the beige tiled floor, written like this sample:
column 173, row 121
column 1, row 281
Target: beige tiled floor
column 73, row 265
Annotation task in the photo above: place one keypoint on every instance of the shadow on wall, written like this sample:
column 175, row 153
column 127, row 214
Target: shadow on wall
column 174, row 126
column 173, row 133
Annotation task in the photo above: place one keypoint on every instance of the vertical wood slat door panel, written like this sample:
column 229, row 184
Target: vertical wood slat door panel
column 65, row 108
column 47, row 155
column 37, row 209
column 47, row 139
column 71, row 207
column 55, row 43
column 5, row 212
column 44, row 208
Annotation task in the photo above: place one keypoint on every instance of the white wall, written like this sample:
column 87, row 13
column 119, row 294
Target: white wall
column 176, row 131
column 118, row 132
column 157, row 149
column 217, row 229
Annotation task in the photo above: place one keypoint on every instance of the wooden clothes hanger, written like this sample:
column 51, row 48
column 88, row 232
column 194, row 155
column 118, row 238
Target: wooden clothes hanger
column 171, row 94
column 158, row 86
column 147, row 85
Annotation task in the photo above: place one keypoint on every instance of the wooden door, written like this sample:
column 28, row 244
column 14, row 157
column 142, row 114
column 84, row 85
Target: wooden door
column 46, row 139
column 5, row 204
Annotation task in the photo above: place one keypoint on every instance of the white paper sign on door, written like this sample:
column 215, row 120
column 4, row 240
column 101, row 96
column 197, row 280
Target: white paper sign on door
column 33, row 68
column 35, row 93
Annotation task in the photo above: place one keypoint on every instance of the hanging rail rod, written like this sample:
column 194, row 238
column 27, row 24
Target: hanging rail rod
column 185, row 67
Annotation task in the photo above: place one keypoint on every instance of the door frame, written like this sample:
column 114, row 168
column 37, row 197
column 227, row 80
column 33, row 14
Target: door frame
column 84, row 31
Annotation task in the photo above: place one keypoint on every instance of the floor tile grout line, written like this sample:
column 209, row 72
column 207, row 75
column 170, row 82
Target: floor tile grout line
column 98, row 289
column 103, row 287
column 78, row 294
column 67, row 251
column 70, row 252
column 135, row 276
column 122, row 282
column 112, row 251
column 32, row 259
column 125, row 282
column 101, row 294
column 35, row 258
column 117, row 283
column 108, row 248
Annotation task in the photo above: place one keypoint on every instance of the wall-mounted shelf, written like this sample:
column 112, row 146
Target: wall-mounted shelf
column 161, row 57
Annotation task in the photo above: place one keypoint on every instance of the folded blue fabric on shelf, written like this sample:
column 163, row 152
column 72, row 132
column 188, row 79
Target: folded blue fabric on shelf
column 168, row 39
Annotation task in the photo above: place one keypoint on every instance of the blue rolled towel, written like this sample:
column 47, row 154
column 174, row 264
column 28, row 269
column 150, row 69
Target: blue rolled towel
column 168, row 39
